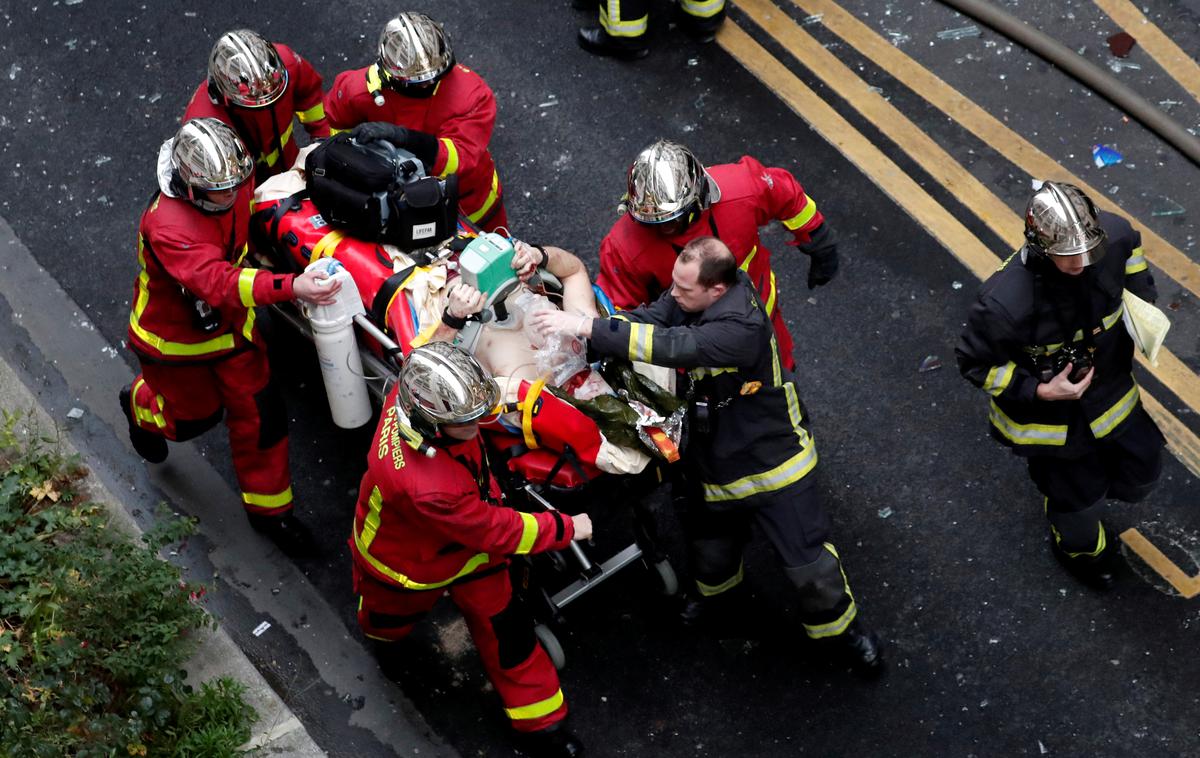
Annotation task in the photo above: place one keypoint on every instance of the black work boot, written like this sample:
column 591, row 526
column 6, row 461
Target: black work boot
column 555, row 741
column 702, row 30
column 287, row 532
column 598, row 42
column 151, row 447
column 1096, row 571
column 862, row 648
column 729, row 615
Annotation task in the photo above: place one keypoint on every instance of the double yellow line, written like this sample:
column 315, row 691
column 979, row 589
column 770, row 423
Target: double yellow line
column 941, row 166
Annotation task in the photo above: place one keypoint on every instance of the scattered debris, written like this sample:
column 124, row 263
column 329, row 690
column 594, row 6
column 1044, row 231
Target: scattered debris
column 71, row 44
column 1117, row 65
column 75, row 413
column 548, row 104
column 13, row 70
column 693, row 62
column 258, row 630
column 1174, row 305
column 1036, row 184
column 1042, row 748
column 956, row 285
column 885, row 512
column 73, row 2
column 100, row 161
column 1121, row 43
column 1114, row 189
column 1103, row 155
column 929, row 363
column 154, row 98
column 897, row 38
column 1169, row 105
column 962, row 32
column 1168, row 207
column 813, row 19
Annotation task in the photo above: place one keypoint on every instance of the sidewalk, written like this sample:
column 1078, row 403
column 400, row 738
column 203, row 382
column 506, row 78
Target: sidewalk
column 315, row 680
column 277, row 731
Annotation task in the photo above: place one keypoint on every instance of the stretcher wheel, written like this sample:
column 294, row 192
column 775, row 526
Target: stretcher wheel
column 668, row 581
column 550, row 642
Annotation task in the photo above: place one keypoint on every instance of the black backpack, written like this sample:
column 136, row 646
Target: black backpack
column 379, row 192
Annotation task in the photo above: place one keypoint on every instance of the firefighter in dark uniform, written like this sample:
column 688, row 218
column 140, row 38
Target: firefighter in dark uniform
column 750, row 455
column 1045, row 339
column 624, row 24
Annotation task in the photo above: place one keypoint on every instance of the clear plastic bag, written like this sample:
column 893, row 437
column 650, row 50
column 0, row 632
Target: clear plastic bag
column 559, row 356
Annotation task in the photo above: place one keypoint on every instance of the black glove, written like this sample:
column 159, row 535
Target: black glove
column 822, row 249
column 373, row 131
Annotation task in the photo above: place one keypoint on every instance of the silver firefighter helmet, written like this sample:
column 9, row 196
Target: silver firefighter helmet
column 208, row 156
column 246, row 70
column 666, row 182
column 442, row 384
column 1060, row 220
column 414, row 49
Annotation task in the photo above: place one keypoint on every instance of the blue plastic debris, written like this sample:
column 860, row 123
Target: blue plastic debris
column 1104, row 155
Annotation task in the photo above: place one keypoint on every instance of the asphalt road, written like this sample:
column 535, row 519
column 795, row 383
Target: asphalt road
column 993, row 650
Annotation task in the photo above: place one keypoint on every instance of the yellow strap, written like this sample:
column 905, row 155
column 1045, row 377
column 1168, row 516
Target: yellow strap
column 327, row 245
column 535, row 391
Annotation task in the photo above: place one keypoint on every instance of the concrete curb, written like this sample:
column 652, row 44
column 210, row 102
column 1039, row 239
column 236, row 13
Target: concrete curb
column 277, row 731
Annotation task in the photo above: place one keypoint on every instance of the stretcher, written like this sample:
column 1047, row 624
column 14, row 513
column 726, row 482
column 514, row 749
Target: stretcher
column 289, row 233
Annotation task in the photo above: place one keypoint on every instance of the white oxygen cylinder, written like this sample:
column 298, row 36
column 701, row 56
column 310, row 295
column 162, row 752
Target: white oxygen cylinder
column 337, row 348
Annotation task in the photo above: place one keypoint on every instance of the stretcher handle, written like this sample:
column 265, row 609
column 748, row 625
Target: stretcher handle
column 576, row 550
column 389, row 345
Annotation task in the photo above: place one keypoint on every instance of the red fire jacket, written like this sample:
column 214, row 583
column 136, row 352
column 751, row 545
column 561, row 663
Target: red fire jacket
column 423, row 523
column 181, row 247
column 461, row 113
column 636, row 261
column 267, row 131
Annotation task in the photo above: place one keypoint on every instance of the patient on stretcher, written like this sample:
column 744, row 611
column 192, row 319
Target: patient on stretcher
column 522, row 362
column 406, row 294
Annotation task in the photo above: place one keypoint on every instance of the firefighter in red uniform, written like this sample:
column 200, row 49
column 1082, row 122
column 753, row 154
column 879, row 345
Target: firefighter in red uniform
column 256, row 88
column 672, row 199
column 192, row 325
column 447, row 110
column 429, row 521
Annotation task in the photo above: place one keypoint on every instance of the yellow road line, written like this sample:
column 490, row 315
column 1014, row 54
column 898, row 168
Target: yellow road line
column 1187, row 586
column 940, row 165
column 1159, row 46
column 895, row 125
column 880, row 169
column 986, row 127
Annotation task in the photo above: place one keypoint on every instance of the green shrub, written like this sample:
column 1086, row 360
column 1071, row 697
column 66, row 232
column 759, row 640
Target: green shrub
column 94, row 628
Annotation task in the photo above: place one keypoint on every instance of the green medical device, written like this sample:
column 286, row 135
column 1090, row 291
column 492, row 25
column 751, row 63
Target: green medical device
column 486, row 265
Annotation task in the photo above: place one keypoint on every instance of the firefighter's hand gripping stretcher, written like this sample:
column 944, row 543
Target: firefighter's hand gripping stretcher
column 476, row 291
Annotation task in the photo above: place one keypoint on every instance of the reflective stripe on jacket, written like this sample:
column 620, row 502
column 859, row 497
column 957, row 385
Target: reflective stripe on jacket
column 182, row 248
column 636, row 260
column 423, row 523
column 758, row 444
column 1026, row 313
